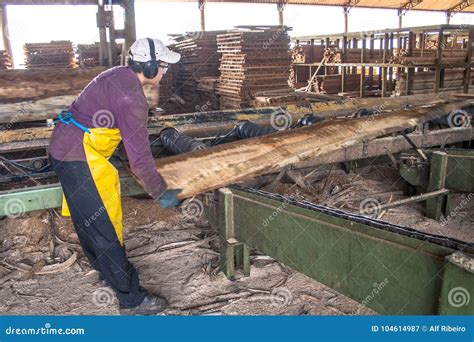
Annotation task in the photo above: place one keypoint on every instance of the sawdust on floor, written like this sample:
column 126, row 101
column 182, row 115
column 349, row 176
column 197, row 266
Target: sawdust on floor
column 361, row 191
column 176, row 257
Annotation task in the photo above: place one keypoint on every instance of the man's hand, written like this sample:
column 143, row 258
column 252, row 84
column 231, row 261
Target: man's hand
column 169, row 198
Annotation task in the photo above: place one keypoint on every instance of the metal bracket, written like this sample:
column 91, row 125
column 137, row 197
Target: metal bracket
column 201, row 4
column 408, row 6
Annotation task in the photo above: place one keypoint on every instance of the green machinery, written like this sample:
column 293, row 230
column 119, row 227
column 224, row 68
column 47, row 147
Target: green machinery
column 391, row 269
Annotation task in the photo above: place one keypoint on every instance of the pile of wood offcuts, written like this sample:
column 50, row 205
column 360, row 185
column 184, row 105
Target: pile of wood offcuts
column 5, row 60
column 252, row 61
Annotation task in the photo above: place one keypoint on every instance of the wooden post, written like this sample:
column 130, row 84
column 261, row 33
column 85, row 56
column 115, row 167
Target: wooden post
column 203, row 15
column 280, row 8
column 346, row 19
column 311, row 53
column 384, row 69
column 410, row 71
column 5, row 31
column 354, row 46
column 328, row 44
column 130, row 31
column 344, row 59
column 371, row 54
column 102, row 35
column 439, row 55
column 390, row 70
column 381, row 45
column 362, row 69
column 467, row 70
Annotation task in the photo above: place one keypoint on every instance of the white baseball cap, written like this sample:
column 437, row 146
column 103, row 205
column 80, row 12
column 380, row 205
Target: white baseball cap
column 140, row 51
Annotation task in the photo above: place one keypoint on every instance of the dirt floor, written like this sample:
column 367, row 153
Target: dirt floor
column 176, row 257
column 43, row 271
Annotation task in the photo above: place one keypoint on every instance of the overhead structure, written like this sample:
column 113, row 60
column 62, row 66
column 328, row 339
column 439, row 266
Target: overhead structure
column 411, row 4
column 466, row 6
column 347, row 8
column 459, row 7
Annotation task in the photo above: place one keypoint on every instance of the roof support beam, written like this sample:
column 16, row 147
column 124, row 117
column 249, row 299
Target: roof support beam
column 201, row 6
column 408, row 6
column 280, row 8
column 458, row 8
column 347, row 8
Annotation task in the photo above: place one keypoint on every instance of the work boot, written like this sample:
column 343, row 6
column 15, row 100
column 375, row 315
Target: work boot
column 151, row 305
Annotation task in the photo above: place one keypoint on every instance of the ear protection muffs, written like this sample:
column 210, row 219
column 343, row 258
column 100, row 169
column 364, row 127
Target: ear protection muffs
column 150, row 68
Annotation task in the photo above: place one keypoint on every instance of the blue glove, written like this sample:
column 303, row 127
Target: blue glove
column 169, row 198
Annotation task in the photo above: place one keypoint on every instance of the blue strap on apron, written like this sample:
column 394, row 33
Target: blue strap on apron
column 66, row 118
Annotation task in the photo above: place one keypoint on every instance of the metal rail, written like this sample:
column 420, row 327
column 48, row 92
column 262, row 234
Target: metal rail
column 389, row 268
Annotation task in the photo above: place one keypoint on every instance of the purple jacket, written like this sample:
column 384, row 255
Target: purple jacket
column 114, row 99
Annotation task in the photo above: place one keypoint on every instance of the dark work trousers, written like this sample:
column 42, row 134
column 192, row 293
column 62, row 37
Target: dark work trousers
column 96, row 233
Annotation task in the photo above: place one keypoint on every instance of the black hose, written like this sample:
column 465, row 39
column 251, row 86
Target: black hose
column 247, row 129
column 176, row 142
column 309, row 119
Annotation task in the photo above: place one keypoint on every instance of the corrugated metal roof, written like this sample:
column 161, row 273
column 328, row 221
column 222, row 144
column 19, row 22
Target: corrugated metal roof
column 425, row 5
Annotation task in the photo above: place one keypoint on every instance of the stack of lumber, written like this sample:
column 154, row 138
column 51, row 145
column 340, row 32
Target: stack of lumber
column 88, row 55
column 25, row 85
column 56, row 54
column 424, row 82
column 354, row 55
column 306, row 54
column 199, row 62
column 428, row 57
column 332, row 84
column 252, row 61
column 277, row 98
column 5, row 60
column 167, row 97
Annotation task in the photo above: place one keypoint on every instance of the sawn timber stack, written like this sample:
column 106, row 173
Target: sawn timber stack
column 199, row 63
column 218, row 166
column 252, row 61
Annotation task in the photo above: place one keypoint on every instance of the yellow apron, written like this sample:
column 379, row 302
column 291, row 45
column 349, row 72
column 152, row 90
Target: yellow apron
column 98, row 147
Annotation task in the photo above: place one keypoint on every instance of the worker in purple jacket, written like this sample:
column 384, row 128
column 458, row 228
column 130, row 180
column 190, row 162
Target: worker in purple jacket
column 112, row 108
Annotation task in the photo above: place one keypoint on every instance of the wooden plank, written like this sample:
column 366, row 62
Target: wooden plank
column 439, row 53
column 218, row 166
